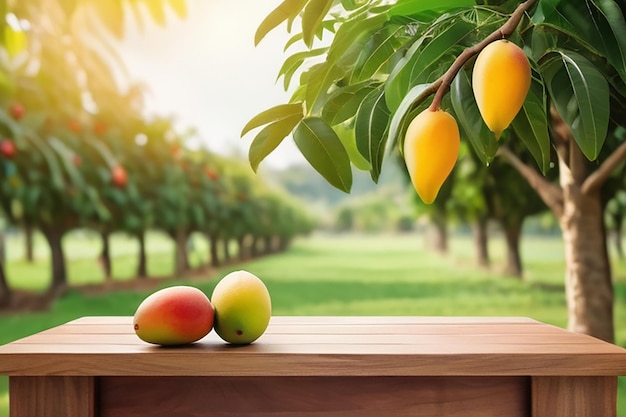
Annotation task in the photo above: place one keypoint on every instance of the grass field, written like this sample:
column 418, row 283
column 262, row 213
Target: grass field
column 331, row 275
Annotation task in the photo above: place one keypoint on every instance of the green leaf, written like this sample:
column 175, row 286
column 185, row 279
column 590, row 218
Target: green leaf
column 381, row 47
column 292, row 63
column 349, row 4
column 348, row 138
column 103, row 150
column 270, row 137
column 612, row 26
column 352, row 36
column 312, row 17
column 597, row 25
column 66, row 159
column 371, row 128
column 288, row 9
column 425, row 62
column 56, row 176
column 9, row 122
column 470, row 121
column 292, row 40
column 323, row 149
column 273, row 114
column 531, row 126
column 344, row 102
column 320, row 78
column 581, row 95
column 413, row 98
column 412, row 7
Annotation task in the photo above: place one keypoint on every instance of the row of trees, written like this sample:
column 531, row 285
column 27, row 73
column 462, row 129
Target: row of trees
column 77, row 151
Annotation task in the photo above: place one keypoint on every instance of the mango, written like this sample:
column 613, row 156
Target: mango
column 175, row 315
column 431, row 148
column 500, row 81
column 243, row 307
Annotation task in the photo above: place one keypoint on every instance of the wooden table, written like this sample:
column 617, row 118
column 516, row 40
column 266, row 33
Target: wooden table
column 318, row 366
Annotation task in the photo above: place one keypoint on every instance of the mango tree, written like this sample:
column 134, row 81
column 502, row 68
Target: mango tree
column 69, row 61
column 384, row 61
column 495, row 193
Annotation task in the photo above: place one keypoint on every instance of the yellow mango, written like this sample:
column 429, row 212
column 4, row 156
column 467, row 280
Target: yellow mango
column 500, row 80
column 431, row 148
column 243, row 307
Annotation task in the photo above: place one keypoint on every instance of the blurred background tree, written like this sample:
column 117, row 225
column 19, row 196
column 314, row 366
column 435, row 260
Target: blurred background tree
column 77, row 150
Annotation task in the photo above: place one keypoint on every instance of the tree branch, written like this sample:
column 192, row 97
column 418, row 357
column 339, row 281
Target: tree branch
column 604, row 171
column 443, row 83
column 551, row 194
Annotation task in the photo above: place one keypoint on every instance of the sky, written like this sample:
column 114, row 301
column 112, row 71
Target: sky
column 206, row 72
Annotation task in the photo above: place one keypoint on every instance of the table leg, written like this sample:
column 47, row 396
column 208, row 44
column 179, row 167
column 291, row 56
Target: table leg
column 580, row 396
column 52, row 396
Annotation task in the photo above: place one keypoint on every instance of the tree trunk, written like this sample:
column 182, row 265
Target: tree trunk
column 142, row 265
column 481, row 241
column 181, row 260
column 5, row 290
column 226, row 249
column 438, row 233
column 105, row 255
column 254, row 246
column 577, row 204
column 283, row 242
column 588, row 282
column 512, row 236
column 268, row 246
column 28, row 243
column 58, row 284
column 213, row 253
column 617, row 236
column 241, row 245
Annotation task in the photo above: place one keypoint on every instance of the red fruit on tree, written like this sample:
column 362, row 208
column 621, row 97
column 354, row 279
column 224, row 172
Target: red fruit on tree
column 7, row 148
column 74, row 126
column 212, row 174
column 119, row 177
column 175, row 150
column 17, row 111
column 99, row 127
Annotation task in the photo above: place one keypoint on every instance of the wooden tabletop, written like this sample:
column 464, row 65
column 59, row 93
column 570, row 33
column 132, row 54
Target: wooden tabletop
column 322, row 346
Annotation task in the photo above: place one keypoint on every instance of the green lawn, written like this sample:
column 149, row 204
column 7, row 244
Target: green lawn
column 338, row 275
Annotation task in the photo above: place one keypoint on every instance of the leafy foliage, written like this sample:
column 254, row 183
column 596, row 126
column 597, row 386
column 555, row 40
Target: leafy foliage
column 397, row 52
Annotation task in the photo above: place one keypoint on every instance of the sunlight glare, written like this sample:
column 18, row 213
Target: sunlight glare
column 141, row 139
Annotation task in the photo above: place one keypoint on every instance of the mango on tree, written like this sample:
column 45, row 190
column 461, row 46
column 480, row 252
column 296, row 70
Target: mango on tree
column 431, row 148
column 500, row 80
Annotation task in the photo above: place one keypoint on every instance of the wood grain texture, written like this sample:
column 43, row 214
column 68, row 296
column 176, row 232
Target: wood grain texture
column 586, row 396
column 34, row 396
column 314, row 396
column 322, row 346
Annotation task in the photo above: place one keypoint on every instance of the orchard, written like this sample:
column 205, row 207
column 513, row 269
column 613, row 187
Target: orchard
column 77, row 151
